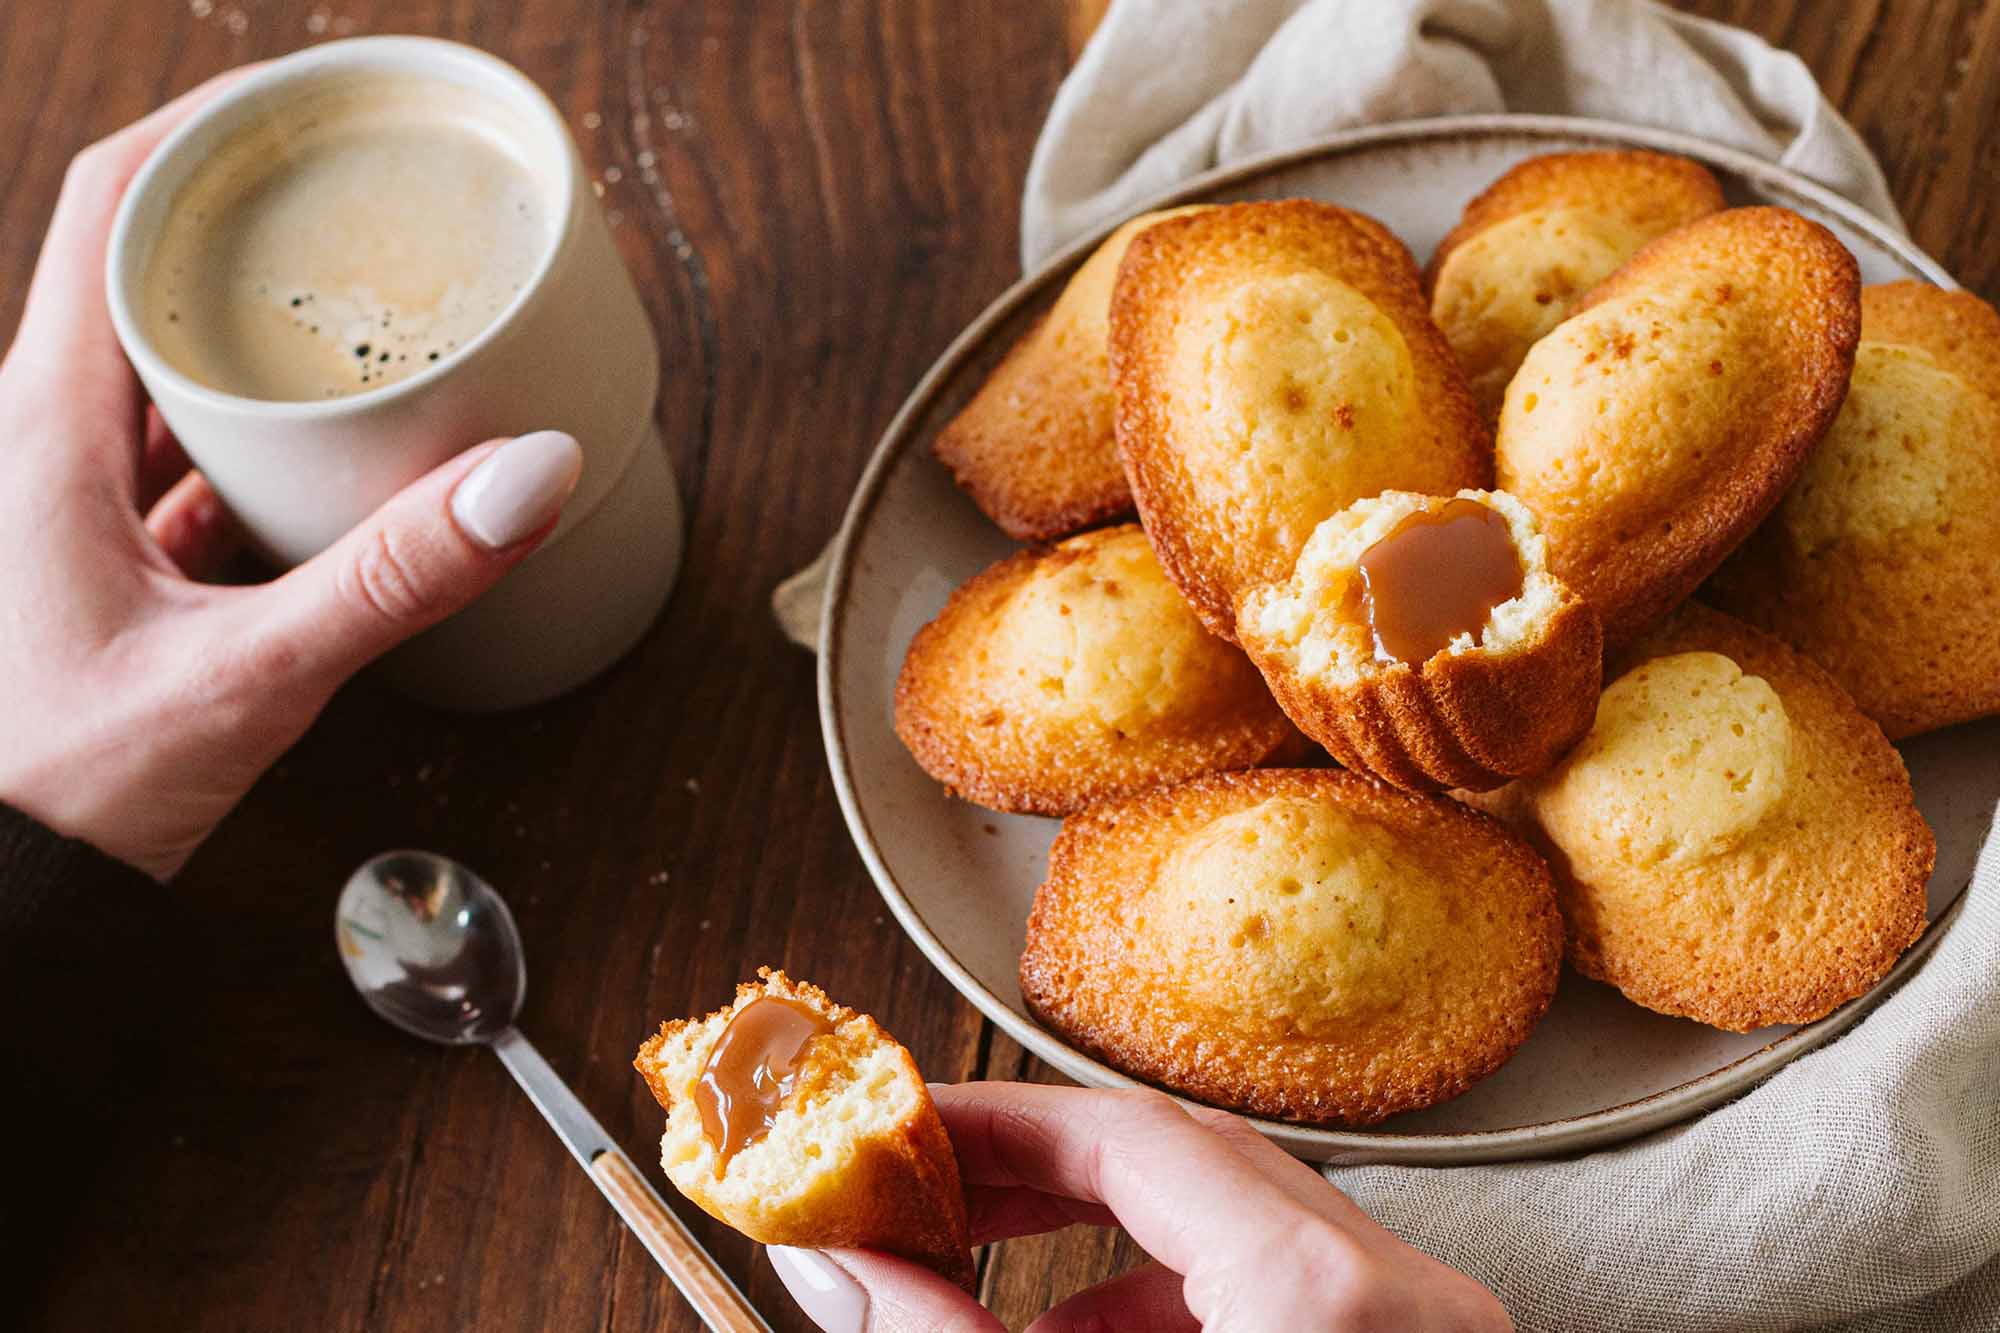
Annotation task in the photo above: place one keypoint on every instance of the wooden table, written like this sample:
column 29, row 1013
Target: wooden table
column 814, row 198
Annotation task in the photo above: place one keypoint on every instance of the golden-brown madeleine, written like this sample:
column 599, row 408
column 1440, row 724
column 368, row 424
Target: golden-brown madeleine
column 1660, row 423
column 848, row 1152
column 1311, row 945
column 1071, row 674
column 1274, row 363
column 1034, row 448
column 1542, row 235
column 1882, row 563
column 1423, row 639
column 1956, row 328
column 1733, row 841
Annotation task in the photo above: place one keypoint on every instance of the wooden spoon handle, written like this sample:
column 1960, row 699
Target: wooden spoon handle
column 707, row 1288
column 700, row 1279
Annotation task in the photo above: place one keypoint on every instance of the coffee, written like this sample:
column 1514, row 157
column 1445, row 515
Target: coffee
column 349, row 239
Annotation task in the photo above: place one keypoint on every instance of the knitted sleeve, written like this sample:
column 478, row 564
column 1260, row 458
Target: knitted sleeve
column 85, row 947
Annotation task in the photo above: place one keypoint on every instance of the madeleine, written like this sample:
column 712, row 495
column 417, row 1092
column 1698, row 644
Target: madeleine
column 1310, row 945
column 800, row 1122
column 1034, row 446
column 1074, row 674
column 1424, row 640
column 1882, row 563
column 1733, row 841
column 1541, row 236
column 1273, row 363
column 1660, row 423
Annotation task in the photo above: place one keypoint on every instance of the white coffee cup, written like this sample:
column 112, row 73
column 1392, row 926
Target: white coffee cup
column 572, row 352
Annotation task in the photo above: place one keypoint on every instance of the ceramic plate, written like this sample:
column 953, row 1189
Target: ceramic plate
column 960, row 879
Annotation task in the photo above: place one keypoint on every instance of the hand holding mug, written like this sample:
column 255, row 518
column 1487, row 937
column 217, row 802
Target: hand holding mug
column 354, row 260
column 142, row 703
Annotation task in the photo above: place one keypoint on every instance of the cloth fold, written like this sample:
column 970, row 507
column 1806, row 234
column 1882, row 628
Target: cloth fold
column 1137, row 116
column 1862, row 1182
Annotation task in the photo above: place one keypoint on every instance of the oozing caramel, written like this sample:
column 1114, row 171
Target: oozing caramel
column 1437, row 575
column 750, row 1072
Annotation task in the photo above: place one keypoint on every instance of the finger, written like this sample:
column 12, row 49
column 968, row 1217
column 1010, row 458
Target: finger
column 162, row 463
column 848, row 1291
column 429, row 551
column 1146, row 1300
column 1022, row 1211
column 194, row 528
column 65, row 317
column 1285, row 1171
column 1002, row 1212
column 1182, row 1192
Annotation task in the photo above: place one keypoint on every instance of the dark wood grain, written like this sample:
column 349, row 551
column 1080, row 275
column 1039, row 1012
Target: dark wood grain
column 1921, row 82
column 814, row 197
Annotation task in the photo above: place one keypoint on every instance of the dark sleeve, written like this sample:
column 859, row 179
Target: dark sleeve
column 83, row 943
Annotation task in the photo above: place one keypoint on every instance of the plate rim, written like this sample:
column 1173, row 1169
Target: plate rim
column 1593, row 1129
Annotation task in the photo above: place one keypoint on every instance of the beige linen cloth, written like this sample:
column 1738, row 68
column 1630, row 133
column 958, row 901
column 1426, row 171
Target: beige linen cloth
column 1860, row 1186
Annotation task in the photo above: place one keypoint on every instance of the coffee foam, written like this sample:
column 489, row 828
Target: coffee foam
column 351, row 237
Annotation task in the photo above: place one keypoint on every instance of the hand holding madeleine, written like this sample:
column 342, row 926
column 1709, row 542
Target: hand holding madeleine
column 805, row 1126
column 1243, row 1238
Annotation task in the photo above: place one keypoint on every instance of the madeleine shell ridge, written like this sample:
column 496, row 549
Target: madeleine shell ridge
column 1469, row 720
column 1034, row 446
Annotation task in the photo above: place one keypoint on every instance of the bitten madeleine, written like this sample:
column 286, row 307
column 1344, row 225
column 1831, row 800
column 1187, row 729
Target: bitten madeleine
column 1310, row 945
column 1882, row 563
column 1660, row 423
column 1034, row 448
column 1423, row 639
column 1274, row 363
column 1069, row 675
column 1542, row 235
column 1733, row 841
column 800, row 1122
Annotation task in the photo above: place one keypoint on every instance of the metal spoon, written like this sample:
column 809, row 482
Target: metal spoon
column 433, row 949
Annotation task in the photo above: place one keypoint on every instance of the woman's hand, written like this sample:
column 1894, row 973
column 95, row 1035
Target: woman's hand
column 140, row 704
column 1244, row 1238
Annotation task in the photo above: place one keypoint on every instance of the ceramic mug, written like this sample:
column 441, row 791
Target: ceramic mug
column 572, row 352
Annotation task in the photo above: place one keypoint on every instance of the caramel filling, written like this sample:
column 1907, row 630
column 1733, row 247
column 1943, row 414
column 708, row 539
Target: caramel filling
column 751, row 1071
column 1437, row 575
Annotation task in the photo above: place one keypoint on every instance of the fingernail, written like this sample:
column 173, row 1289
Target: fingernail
column 517, row 489
column 829, row 1297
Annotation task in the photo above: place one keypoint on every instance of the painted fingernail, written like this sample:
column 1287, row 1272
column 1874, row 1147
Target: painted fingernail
column 829, row 1297
column 517, row 489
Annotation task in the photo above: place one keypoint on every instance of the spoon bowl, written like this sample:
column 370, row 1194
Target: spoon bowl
column 431, row 947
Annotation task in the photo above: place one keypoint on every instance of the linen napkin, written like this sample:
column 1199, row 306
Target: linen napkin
column 1168, row 89
column 1860, row 1186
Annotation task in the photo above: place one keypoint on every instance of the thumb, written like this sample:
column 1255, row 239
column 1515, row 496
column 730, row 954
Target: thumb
column 861, row 1291
column 428, row 551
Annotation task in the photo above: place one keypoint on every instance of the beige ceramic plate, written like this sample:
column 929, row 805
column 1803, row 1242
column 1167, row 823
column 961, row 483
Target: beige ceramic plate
column 960, row 879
